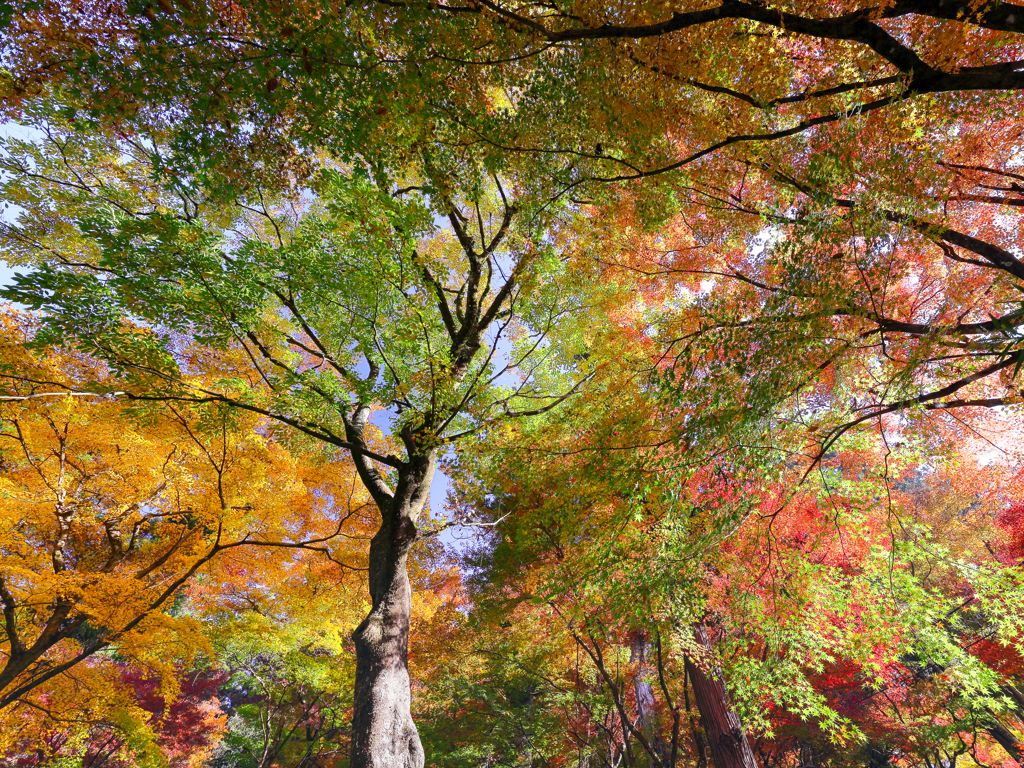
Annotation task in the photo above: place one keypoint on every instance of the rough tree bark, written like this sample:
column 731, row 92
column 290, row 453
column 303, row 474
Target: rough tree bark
column 725, row 737
column 383, row 732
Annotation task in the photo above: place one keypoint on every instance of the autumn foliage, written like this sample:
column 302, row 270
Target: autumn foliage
column 710, row 313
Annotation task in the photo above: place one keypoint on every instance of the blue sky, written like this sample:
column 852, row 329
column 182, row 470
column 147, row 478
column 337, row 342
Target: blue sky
column 5, row 274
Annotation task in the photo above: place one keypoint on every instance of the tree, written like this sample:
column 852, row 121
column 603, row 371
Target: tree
column 526, row 93
column 823, row 597
column 358, row 301
column 289, row 701
column 106, row 521
column 830, row 90
column 150, row 728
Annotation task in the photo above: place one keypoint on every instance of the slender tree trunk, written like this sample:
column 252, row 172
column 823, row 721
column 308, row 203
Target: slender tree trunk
column 1007, row 740
column 383, row 732
column 1018, row 698
column 726, row 740
column 699, row 742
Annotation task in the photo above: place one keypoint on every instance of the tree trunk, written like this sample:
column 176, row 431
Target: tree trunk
column 383, row 732
column 1017, row 697
column 726, row 740
column 1006, row 739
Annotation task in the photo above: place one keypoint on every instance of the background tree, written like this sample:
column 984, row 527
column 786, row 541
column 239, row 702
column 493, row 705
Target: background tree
column 845, row 625
column 105, row 524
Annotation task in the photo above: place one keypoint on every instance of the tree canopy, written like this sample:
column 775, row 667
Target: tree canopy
column 709, row 312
